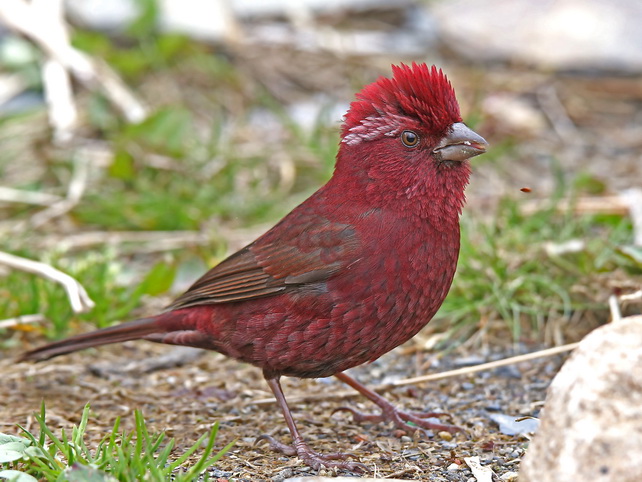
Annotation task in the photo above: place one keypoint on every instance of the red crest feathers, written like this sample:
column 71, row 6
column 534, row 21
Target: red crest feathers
column 417, row 92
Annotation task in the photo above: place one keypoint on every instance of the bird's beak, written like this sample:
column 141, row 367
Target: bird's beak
column 460, row 143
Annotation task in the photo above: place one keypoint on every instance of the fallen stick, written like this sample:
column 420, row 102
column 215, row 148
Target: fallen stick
column 78, row 297
column 428, row 378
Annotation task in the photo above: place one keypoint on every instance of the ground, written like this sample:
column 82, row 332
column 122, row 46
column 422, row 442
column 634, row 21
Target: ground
column 185, row 401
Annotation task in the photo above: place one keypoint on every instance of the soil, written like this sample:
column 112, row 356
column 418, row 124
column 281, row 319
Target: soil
column 184, row 401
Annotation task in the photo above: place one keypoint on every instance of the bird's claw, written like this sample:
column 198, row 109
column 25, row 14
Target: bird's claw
column 358, row 416
column 276, row 445
column 312, row 458
column 401, row 419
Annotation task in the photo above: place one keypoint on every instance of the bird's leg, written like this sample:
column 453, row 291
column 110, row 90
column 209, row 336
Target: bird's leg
column 299, row 447
column 408, row 421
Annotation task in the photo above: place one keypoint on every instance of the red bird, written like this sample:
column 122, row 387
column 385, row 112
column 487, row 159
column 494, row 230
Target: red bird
column 353, row 272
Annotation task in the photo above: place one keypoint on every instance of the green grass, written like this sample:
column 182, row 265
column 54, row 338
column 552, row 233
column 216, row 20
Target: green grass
column 508, row 272
column 136, row 455
column 111, row 282
column 504, row 271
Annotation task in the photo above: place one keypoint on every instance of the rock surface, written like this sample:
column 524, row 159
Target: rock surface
column 591, row 428
column 564, row 34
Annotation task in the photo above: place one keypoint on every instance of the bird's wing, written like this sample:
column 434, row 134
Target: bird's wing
column 293, row 254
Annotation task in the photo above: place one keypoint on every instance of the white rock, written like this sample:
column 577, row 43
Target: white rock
column 591, row 428
column 565, row 34
column 102, row 14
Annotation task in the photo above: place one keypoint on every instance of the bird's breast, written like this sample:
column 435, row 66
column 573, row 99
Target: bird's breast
column 397, row 288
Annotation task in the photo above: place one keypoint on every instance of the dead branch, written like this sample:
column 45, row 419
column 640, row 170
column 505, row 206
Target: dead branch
column 428, row 378
column 78, row 297
column 42, row 21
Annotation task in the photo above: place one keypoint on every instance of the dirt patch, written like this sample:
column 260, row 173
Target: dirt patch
column 185, row 401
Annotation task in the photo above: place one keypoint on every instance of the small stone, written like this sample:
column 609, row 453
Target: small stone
column 447, row 436
column 283, row 474
column 405, row 439
column 509, row 476
column 453, row 467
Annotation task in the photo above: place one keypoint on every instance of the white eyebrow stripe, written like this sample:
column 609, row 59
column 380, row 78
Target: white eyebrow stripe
column 373, row 127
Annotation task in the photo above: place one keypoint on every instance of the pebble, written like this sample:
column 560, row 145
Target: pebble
column 509, row 476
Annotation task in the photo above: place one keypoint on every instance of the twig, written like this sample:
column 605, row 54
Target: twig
column 633, row 198
column 487, row 366
column 584, row 205
column 614, row 308
column 636, row 295
column 75, row 190
column 22, row 320
column 10, row 86
column 427, row 378
column 614, row 303
column 556, row 113
column 63, row 115
column 160, row 240
column 78, row 297
column 10, row 195
column 49, row 33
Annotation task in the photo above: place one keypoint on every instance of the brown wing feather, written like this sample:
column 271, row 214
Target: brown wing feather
column 313, row 250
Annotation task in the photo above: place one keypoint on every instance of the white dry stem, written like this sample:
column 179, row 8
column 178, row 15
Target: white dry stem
column 487, row 366
column 633, row 198
column 75, row 191
column 42, row 21
column 614, row 307
column 156, row 240
column 553, row 108
column 636, row 295
column 10, row 195
column 10, row 86
column 78, row 298
column 584, row 205
column 63, row 115
column 22, row 320
column 435, row 376
column 614, row 303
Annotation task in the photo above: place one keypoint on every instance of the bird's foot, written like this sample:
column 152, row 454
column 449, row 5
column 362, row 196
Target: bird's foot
column 405, row 420
column 312, row 458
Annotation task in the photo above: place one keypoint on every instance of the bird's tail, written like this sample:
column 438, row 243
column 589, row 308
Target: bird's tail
column 132, row 330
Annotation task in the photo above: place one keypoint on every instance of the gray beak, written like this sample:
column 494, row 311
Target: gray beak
column 459, row 144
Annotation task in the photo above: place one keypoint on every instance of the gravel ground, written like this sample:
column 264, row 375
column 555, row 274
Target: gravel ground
column 185, row 401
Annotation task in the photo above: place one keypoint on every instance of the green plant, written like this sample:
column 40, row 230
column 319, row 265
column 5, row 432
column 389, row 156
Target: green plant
column 137, row 455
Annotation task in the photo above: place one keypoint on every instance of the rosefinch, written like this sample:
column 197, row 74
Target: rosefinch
column 354, row 271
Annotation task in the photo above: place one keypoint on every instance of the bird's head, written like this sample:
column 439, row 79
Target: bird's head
column 406, row 136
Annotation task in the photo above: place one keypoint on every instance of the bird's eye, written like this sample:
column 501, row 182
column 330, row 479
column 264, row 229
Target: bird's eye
column 409, row 139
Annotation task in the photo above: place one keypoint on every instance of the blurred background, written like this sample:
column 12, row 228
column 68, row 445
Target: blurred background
column 143, row 140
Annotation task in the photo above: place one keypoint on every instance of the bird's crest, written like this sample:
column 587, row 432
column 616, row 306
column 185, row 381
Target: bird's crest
column 417, row 92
